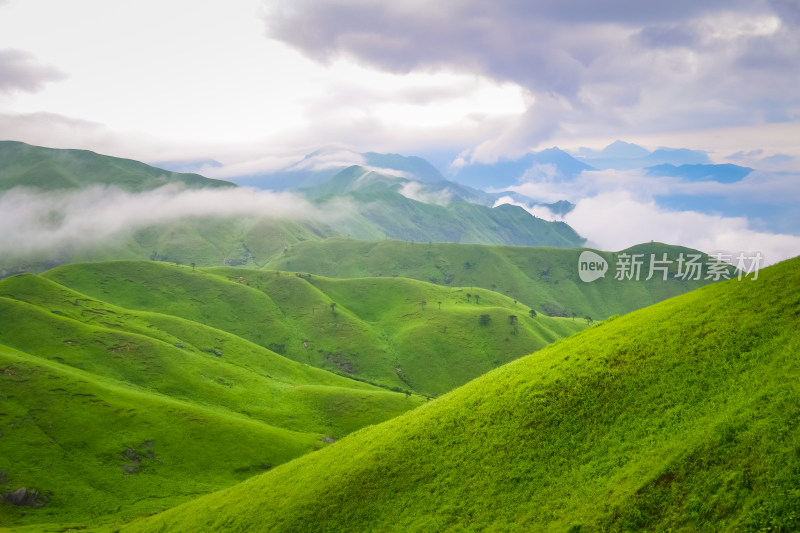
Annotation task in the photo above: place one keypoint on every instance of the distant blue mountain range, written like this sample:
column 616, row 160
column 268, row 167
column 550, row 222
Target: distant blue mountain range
column 551, row 164
column 726, row 173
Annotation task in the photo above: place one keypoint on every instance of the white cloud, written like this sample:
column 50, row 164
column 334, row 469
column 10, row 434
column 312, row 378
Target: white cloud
column 33, row 221
column 617, row 220
column 415, row 190
column 540, row 211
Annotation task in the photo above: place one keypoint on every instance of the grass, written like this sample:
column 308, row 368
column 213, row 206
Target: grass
column 163, row 370
column 85, row 383
column 377, row 212
column 69, row 433
column 543, row 278
column 49, row 168
column 683, row 416
column 379, row 330
column 379, row 204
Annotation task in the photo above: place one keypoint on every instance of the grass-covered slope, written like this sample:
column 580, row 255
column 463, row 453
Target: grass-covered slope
column 546, row 279
column 181, row 358
column 52, row 169
column 94, row 447
column 109, row 412
column 402, row 209
column 684, row 416
column 395, row 332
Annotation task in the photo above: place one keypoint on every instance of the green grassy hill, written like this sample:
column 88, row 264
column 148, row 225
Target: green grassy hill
column 545, row 279
column 110, row 412
column 398, row 333
column 51, row 169
column 203, row 241
column 680, row 417
column 371, row 209
column 434, row 213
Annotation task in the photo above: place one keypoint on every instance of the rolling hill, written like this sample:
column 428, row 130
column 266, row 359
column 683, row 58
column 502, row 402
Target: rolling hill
column 132, row 385
column 545, row 279
column 397, row 333
column 682, row 416
column 66, row 188
column 107, row 411
column 56, row 169
column 409, row 210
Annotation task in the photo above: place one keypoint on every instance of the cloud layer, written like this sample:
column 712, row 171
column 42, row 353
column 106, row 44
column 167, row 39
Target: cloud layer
column 34, row 221
column 617, row 209
column 621, row 66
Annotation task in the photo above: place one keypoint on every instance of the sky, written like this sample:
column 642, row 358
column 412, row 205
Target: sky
column 257, row 84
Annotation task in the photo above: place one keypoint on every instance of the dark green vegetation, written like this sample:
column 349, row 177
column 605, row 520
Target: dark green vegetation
column 545, row 279
column 130, row 386
column 51, row 169
column 684, row 416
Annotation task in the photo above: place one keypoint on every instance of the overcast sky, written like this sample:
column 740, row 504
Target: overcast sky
column 266, row 80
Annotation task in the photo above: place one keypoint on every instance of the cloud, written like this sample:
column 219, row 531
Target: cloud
column 536, row 210
column 326, row 159
column 34, row 221
column 19, row 71
column 616, row 209
column 624, row 67
column 614, row 221
column 776, row 189
column 415, row 190
column 668, row 36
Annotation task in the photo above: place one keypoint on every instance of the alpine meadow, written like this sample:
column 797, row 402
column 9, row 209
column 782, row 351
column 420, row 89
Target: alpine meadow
column 369, row 266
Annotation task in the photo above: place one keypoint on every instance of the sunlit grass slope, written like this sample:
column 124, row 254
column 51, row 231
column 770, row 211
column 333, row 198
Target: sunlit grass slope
column 96, row 447
column 180, row 358
column 401, row 334
column 543, row 278
column 111, row 413
column 684, row 416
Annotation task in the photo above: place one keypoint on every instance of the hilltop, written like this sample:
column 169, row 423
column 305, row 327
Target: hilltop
column 61, row 197
column 397, row 208
column 398, row 333
column 57, row 169
column 681, row 416
column 543, row 278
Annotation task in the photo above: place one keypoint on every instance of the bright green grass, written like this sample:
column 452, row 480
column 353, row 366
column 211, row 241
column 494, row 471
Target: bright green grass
column 684, row 416
column 378, row 331
column 249, row 380
column 537, row 276
column 82, row 380
column 206, row 350
column 66, row 433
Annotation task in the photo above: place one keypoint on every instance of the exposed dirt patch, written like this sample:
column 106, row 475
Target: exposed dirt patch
column 25, row 497
column 137, row 458
column 342, row 361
